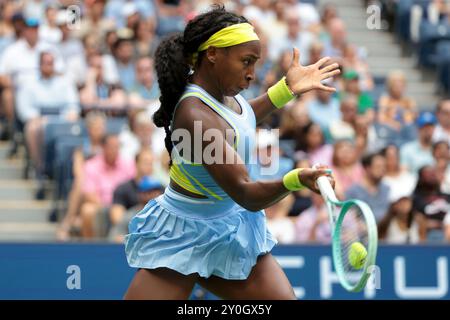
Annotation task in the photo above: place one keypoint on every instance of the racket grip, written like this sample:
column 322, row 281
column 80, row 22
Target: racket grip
column 326, row 189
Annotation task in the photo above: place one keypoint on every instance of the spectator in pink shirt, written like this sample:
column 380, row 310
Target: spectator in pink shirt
column 346, row 168
column 103, row 174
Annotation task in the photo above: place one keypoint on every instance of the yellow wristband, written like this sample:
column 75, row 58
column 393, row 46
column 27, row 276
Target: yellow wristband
column 280, row 94
column 291, row 180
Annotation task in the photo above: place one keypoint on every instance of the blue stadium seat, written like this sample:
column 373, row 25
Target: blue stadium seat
column 53, row 131
column 62, row 168
column 443, row 64
column 430, row 36
column 116, row 125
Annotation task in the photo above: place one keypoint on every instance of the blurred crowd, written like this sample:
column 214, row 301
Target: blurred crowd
column 95, row 65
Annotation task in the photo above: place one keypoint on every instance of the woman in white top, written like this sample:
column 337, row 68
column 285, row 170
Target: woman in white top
column 401, row 225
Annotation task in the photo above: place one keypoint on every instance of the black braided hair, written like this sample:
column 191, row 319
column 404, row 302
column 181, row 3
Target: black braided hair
column 173, row 56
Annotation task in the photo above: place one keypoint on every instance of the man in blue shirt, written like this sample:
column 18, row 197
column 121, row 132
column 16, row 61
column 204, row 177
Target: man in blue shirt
column 417, row 153
column 371, row 189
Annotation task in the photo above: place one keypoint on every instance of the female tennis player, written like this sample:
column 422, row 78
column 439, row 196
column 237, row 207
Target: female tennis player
column 209, row 225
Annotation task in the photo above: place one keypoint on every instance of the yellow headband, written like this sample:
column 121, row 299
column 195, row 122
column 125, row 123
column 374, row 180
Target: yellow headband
column 229, row 36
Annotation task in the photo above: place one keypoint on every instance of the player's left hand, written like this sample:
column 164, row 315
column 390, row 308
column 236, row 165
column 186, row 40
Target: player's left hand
column 301, row 79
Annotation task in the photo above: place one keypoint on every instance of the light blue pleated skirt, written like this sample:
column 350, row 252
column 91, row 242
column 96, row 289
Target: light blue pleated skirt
column 197, row 236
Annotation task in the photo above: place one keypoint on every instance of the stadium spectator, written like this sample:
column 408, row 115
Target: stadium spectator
column 323, row 109
column 118, row 10
column 309, row 16
column 131, row 14
column 147, row 190
column 99, row 94
column 78, row 66
column 145, row 91
column 7, row 32
column 125, row 196
column 431, row 203
column 334, row 44
column 442, row 130
column 93, row 22
column 416, row 154
column 277, row 26
column 441, row 155
column 49, row 31
column 400, row 180
column 20, row 63
column 170, row 17
column 123, row 56
column 258, row 13
column 145, row 41
column 356, row 128
column 96, row 128
column 311, row 140
column 351, row 61
column 371, row 189
column 39, row 101
column 328, row 13
column 401, row 224
column 395, row 109
column 102, row 174
column 313, row 224
column 69, row 46
column 351, row 85
column 344, row 126
column 347, row 170
column 295, row 37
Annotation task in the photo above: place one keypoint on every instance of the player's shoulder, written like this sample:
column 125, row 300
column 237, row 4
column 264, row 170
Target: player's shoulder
column 194, row 109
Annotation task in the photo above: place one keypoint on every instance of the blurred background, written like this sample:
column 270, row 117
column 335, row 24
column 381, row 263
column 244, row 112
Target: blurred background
column 80, row 155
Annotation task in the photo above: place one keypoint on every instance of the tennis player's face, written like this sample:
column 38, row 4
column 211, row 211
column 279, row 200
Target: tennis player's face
column 235, row 66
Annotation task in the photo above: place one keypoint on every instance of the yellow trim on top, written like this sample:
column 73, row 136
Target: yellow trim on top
column 200, row 185
column 181, row 179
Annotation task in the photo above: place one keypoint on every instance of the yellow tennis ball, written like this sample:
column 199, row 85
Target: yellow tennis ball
column 357, row 255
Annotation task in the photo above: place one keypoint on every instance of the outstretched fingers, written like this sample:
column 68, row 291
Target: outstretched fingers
column 322, row 62
column 329, row 68
column 330, row 74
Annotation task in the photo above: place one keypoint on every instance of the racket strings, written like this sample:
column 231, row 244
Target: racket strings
column 353, row 230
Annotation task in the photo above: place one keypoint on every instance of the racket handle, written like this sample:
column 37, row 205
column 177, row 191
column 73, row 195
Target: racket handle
column 325, row 187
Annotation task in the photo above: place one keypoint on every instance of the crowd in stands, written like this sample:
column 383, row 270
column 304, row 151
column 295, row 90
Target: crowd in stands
column 80, row 95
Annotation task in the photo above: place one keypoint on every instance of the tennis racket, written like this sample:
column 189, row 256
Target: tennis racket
column 352, row 224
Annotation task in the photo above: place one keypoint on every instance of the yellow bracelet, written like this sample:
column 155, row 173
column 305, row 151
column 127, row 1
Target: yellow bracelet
column 291, row 180
column 280, row 94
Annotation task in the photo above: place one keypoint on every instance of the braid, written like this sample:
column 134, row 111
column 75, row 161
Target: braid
column 172, row 61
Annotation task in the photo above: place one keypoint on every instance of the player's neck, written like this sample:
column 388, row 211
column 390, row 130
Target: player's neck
column 208, row 83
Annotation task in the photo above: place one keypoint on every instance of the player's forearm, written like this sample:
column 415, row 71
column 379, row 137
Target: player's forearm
column 258, row 195
column 262, row 107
